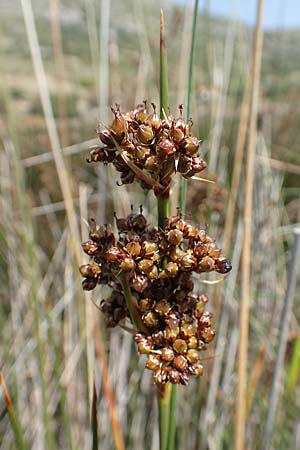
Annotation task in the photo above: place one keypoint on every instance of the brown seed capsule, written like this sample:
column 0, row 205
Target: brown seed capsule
column 139, row 222
column 180, row 346
column 145, row 346
column 174, row 376
column 187, row 330
column 180, row 363
column 167, row 354
column 92, row 270
column 113, row 254
column 162, row 307
column 192, row 356
column 223, row 265
column 198, row 165
column 187, row 262
column 119, row 127
column 198, row 369
column 145, row 134
column 175, row 253
column 154, row 121
column 171, row 269
column 145, row 265
column 90, row 247
column 207, row 334
column 199, row 310
column 205, row 319
column 140, row 283
column 160, row 376
column 106, row 138
column 176, row 133
column 148, row 249
column 170, row 334
column 133, row 248
column 158, row 338
column 166, row 148
column 152, row 164
column 200, row 250
column 153, row 362
column 89, row 283
column 206, row 264
column 153, row 274
column 190, row 144
column 150, row 319
column 213, row 251
column 175, row 237
column 193, row 342
column 127, row 264
column 172, row 321
column 145, row 304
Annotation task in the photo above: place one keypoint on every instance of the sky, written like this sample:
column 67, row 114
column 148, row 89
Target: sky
column 277, row 13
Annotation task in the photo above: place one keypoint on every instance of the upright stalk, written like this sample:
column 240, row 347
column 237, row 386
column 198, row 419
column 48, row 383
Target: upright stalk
column 183, row 181
column 166, row 393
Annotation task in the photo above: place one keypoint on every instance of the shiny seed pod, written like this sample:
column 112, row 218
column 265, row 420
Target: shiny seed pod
column 148, row 249
column 90, row 247
column 187, row 262
column 175, row 237
column 162, row 307
column 213, row 251
column 223, row 265
column 98, row 154
column 89, row 283
column 190, row 145
column 145, row 265
column 119, row 127
column 172, row 321
column 150, row 319
column 145, row 304
column 200, row 250
column 184, row 165
column 176, row 134
column 133, row 248
column 180, row 346
column 198, row 369
column 187, row 330
column 154, row 121
column 153, row 362
column 145, row 134
column 193, row 342
column 139, row 283
column 158, row 338
column 152, row 164
column 107, row 138
column 167, row 354
column 153, row 274
column 127, row 264
column 160, row 376
column 92, row 270
column 198, row 164
column 139, row 223
column 207, row 264
column 192, row 356
column 175, row 253
column 180, row 363
column 141, row 113
column 205, row 319
column 173, row 376
column 170, row 334
column 199, row 310
column 145, row 347
column 113, row 254
column 165, row 148
column 171, row 269
column 121, row 224
column 141, row 153
column 207, row 334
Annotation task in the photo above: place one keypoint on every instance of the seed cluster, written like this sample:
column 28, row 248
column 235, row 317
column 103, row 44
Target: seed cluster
column 158, row 264
column 147, row 149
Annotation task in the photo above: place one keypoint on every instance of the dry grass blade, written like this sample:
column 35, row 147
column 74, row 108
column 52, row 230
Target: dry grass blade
column 241, row 407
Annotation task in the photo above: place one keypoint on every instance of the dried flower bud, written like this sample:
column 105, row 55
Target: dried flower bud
column 205, row 319
column 223, row 265
column 153, row 362
column 139, row 283
column 145, row 346
column 167, row 354
column 133, row 248
column 153, row 274
column 174, row 376
column 198, row 369
column 193, row 342
column 158, row 338
column 160, row 376
column 106, row 138
column 148, row 249
column 113, row 254
column 200, row 250
column 171, row 269
column 90, row 247
column 180, row 363
column 92, row 270
column 207, row 334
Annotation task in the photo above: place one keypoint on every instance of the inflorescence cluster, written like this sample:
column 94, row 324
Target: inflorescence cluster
column 147, row 149
column 158, row 265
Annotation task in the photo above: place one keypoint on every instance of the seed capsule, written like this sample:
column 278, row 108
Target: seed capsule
column 158, row 338
column 150, row 319
column 145, row 134
column 206, row 264
column 153, row 274
column 223, row 265
column 187, row 330
column 106, row 138
column 139, row 222
column 171, row 269
column 170, row 334
column 205, row 319
column 174, row 376
column 167, row 354
column 153, row 362
column 113, row 254
column 154, row 120
column 190, row 145
column 127, row 264
column 145, row 265
column 180, row 346
column 148, row 249
column 193, row 342
column 192, row 356
column 200, row 250
column 139, row 283
column 180, row 363
column 207, row 334
column 90, row 247
column 187, row 262
column 133, row 248
column 91, row 270
column 198, row 369
column 160, row 376
column 166, row 148
column 89, row 283
column 175, row 237
column 162, row 307
column 144, row 347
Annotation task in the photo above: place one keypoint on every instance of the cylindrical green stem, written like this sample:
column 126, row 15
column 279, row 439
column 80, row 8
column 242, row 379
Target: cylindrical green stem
column 164, row 396
column 183, row 181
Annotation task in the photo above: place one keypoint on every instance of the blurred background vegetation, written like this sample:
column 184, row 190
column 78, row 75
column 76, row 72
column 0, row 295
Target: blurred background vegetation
column 95, row 54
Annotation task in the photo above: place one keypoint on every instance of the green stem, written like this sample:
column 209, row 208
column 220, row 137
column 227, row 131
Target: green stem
column 172, row 418
column 164, row 91
column 183, row 181
column 164, row 395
